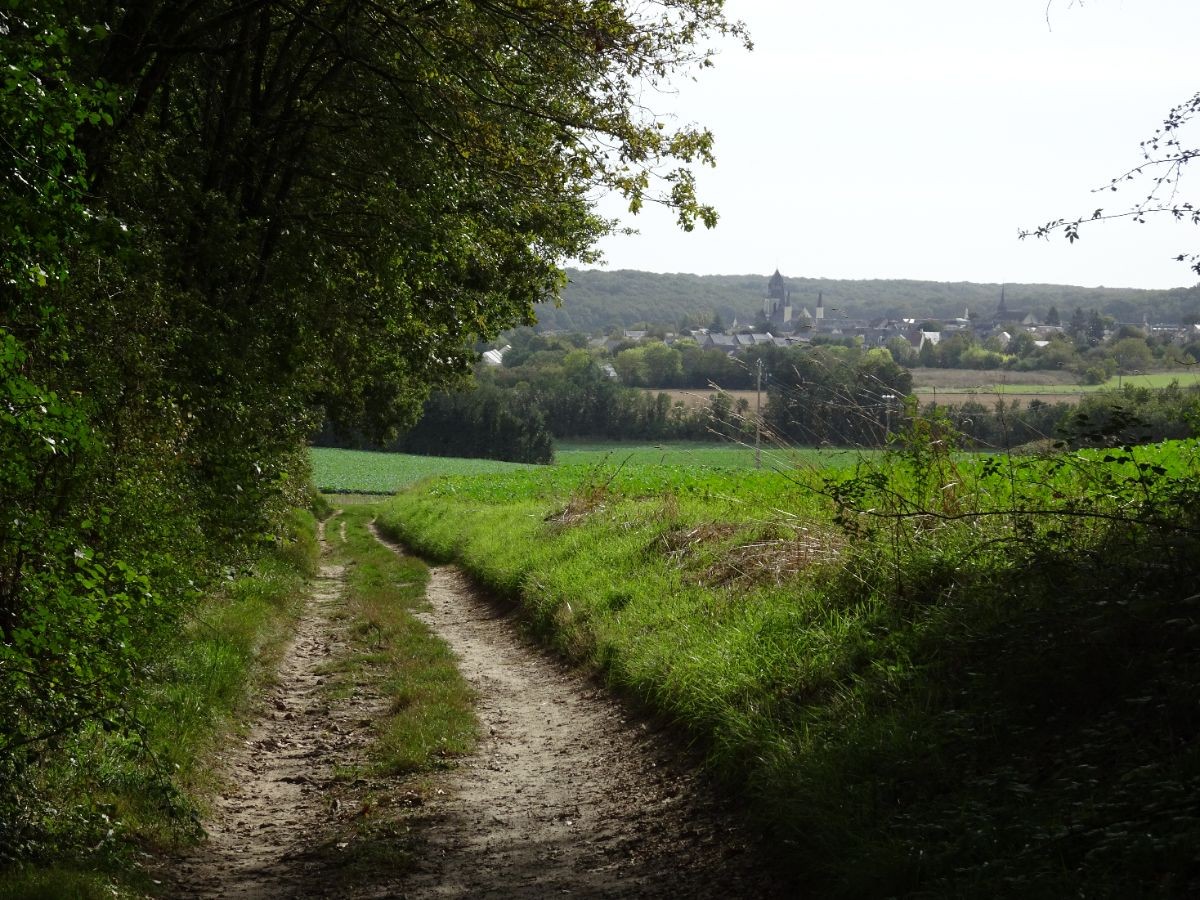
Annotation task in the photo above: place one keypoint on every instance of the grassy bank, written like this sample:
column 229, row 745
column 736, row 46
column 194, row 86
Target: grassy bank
column 115, row 797
column 930, row 675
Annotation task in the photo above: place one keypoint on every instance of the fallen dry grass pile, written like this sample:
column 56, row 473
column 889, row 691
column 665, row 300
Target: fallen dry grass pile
column 773, row 561
column 762, row 561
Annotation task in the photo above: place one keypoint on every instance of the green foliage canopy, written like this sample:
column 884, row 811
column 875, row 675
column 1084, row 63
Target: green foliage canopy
column 220, row 223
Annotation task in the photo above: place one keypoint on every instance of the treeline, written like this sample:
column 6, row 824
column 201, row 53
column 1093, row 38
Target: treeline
column 483, row 422
column 839, row 395
column 1091, row 346
column 595, row 300
column 552, row 387
column 1129, row 415
column 836, row 395
column 577, row 398
column 832, row 392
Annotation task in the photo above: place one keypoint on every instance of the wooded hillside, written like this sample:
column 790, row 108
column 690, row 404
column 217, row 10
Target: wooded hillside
column 595, row 300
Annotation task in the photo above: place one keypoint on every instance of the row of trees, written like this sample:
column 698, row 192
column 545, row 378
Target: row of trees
column 1130, row 415
column 1125, row 349
column 827, row 394
column 834, row 395
column 577, row 398
column 224, row 221
column 652, row 363
column 479, row 422
column 830, row 393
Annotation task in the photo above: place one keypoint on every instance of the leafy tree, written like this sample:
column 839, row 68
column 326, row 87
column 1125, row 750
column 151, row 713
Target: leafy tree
column 837, row 395
column 976, row 357
column 705, row 367
column 902, row 351
column 1078, row 325
column 270, row 214
column 952, row 348
column 1022, row 344
column 631, row 367
column 1129, row 331
column 483, row 423
column 664, row 365
column 1131, row 354
column 1057, row 354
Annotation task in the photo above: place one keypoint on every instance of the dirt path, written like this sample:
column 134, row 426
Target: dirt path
column 567, row 795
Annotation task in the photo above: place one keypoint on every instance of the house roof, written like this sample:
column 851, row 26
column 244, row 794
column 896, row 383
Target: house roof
column 495, row 357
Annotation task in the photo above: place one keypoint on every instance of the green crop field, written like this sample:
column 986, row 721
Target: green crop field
column 1187, row 378
column 682, row 453
column 357, row 471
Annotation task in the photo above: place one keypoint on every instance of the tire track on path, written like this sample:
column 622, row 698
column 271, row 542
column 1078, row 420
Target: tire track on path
column 568, row 794
column 280, row 797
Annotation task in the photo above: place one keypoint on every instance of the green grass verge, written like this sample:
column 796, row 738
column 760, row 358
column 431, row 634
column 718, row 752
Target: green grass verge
column 114, row 796
column 974, row 699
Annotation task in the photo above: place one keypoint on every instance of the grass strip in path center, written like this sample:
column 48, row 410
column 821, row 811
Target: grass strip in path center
column 427, row 718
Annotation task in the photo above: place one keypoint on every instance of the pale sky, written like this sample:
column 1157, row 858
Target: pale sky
column 914, row 138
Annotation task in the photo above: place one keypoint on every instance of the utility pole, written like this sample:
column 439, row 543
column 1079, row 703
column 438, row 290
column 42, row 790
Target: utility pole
column 758, row 417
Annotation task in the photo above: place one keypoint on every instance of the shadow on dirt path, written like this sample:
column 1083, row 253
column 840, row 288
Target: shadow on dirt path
column 568, row 793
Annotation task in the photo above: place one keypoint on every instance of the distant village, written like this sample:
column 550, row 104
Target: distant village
column 783, row 323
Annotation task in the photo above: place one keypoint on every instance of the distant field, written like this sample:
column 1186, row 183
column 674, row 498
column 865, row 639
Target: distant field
column 988, row 395
column 357, row 471
column 679, row 453
column 695, row 397
column 991, row 381
column 974, row 378
column 958, row 385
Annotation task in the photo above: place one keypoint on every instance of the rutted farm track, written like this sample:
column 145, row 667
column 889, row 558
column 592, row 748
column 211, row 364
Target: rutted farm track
column 568, row 794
